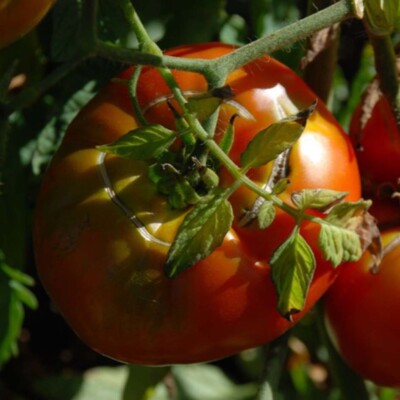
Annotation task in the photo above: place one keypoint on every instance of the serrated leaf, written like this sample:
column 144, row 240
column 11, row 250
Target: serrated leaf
column 266, row 214
column 339, row 244
column 319, row 199
column 341, row 213
column 142, row 143
column 293, row 266
column 201, row 232
column 270, row 142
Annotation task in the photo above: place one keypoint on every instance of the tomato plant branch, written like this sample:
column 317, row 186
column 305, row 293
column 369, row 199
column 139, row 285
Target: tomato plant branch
column 280, row 39
column 222, row 66
column 220, row 155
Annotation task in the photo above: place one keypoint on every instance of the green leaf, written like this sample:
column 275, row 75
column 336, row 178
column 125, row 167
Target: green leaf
column 202, row 230
column 142, row 143
column 342, row 213
column 319, row 199
column 208, row 382
column 13, row 294
column 270, row 142
column 142, row 381
column 339, row 244
column 266, row 214
column 293, row 266
column 339, row 237
column 205, row 104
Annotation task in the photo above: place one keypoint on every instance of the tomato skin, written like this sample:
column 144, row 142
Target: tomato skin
column 378, row 144
column 363, row 318
column 108, row 281
column 18, row 17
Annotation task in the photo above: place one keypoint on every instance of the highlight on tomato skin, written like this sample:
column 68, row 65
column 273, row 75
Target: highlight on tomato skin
column 18, row 17
column 362, row 314
column 107, row 278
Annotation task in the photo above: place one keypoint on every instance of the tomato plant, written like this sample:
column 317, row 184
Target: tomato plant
column 361, row 310
column 102, row 230
column 18, row 17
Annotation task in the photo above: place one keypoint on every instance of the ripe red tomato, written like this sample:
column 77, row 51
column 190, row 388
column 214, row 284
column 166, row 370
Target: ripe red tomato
column 378, row 144
column 363, row 318
column 107, row 278
column 18, row 17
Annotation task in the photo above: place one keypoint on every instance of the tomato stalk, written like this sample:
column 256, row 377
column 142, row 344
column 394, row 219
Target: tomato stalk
column 280, row 39
column 222, row 66
column 133, row 81
column 212, row 69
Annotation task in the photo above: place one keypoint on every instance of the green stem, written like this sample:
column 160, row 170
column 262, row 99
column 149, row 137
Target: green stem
column 220, row 155
column 133, row 81
column 281, row 38
column 146, row 44
column 222, row 66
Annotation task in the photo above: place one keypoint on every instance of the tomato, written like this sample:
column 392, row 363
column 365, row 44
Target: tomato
column 385, row 206
column 378, row 143
column 363, row 318
column 106, row 275
column 18, row 17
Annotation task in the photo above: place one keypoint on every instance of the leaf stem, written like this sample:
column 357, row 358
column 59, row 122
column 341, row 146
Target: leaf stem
column 133, row 81
column 146, row 44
